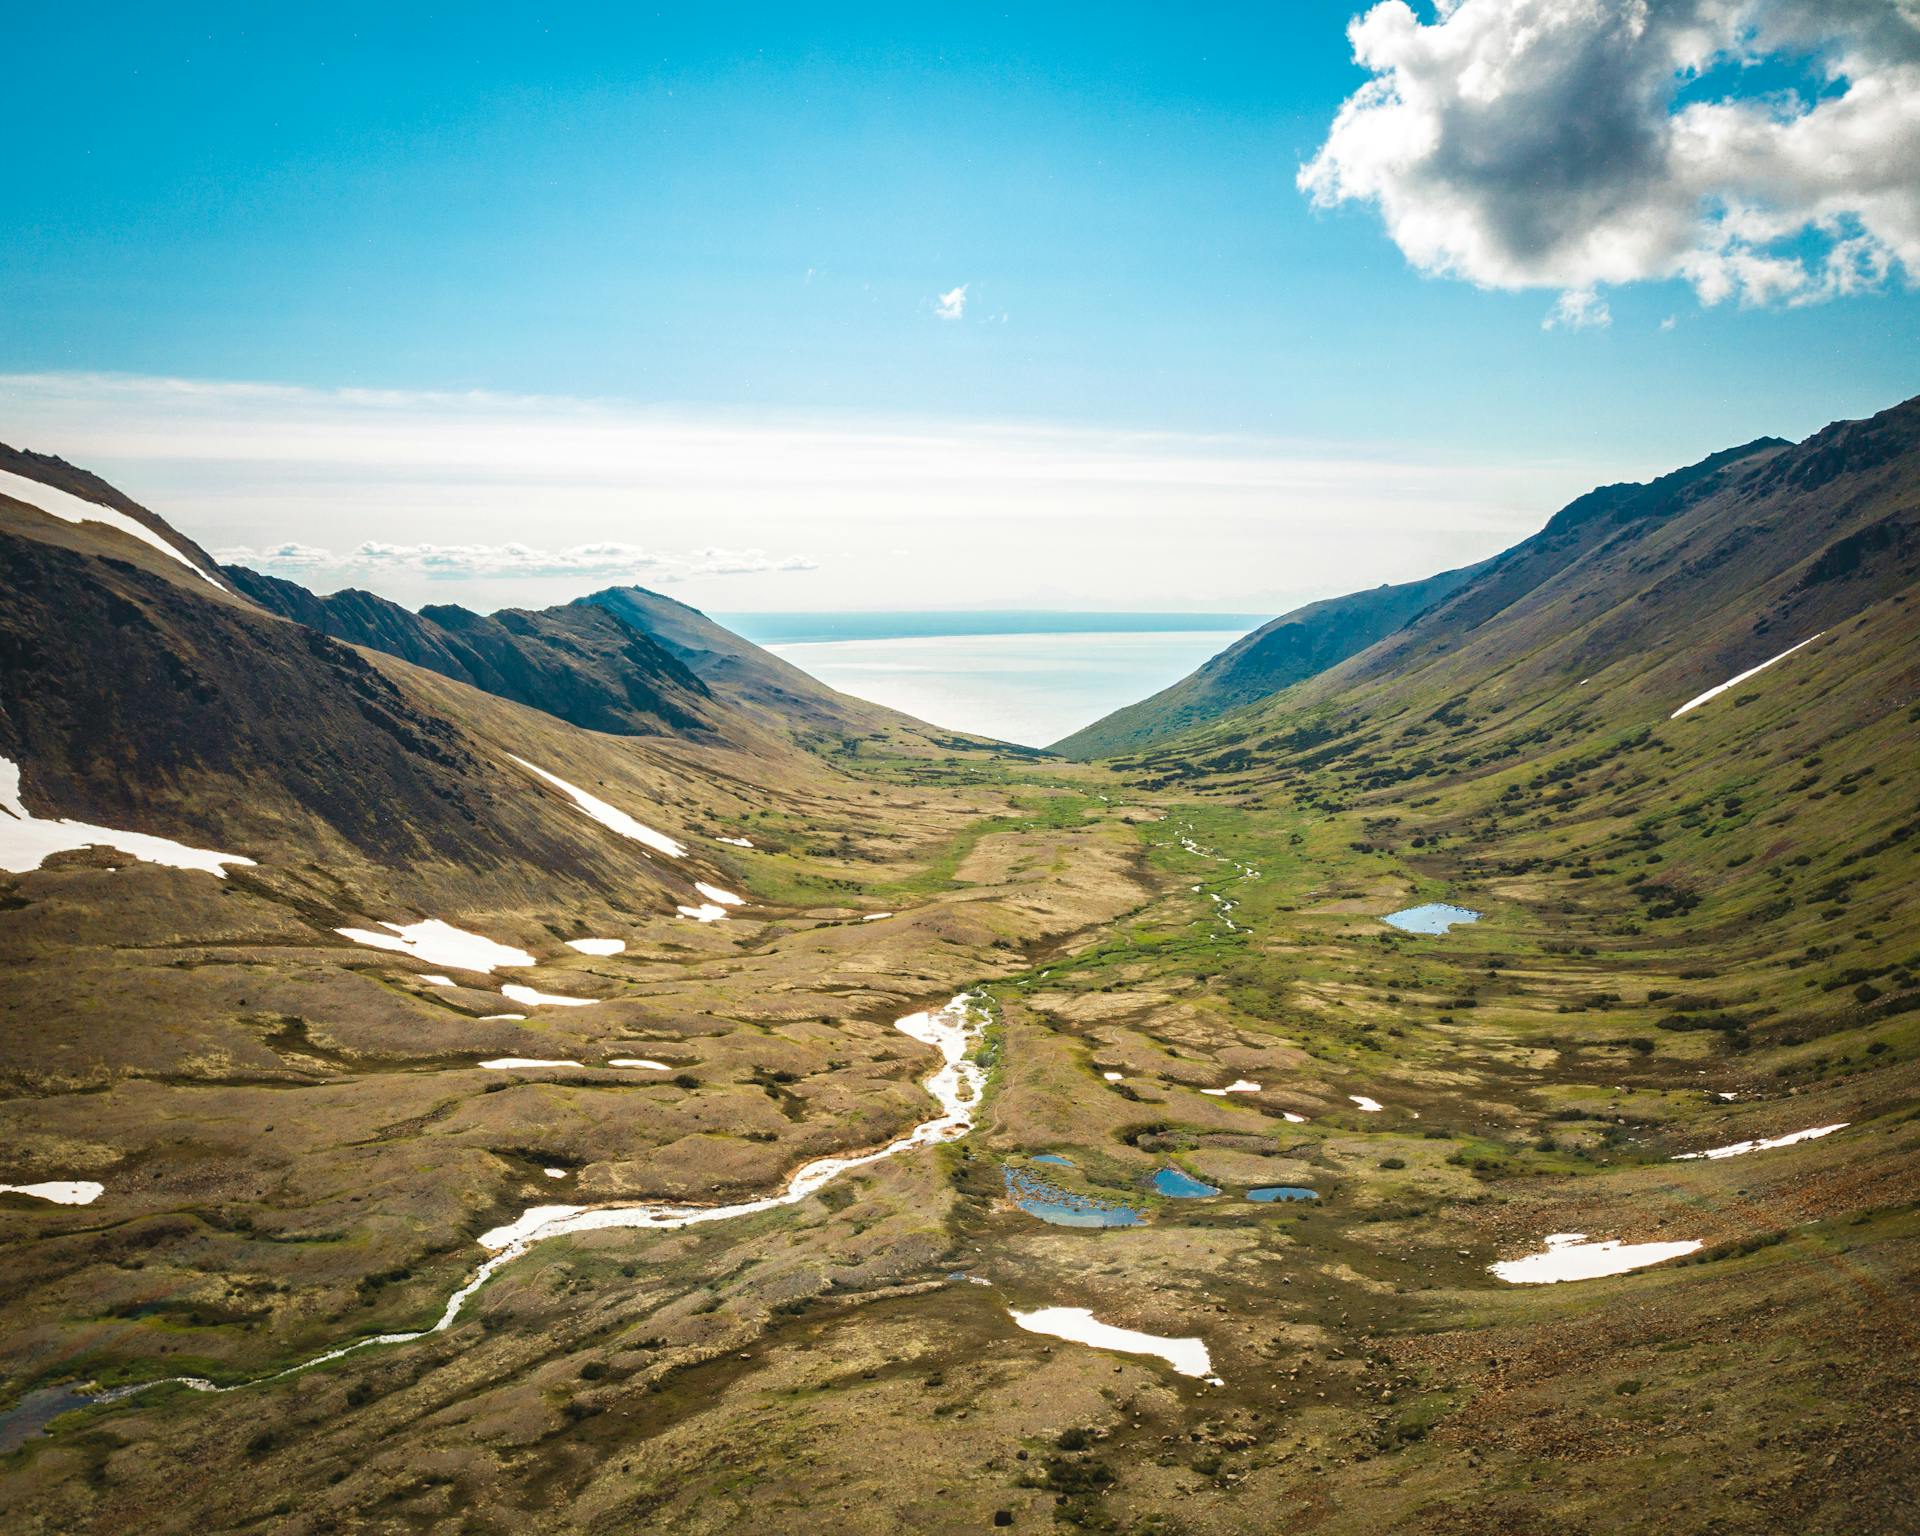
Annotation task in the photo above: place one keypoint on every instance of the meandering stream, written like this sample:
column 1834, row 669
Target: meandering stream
column 956, row 1085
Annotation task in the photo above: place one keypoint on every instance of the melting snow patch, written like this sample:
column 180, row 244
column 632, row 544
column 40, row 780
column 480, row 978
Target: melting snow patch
column 609, row 817
column 597, row 946
column 554, row 1173
column 1242, row 1086
column 1739, row 1148
column 639, row 1061
column 1187, row 1356
column 1569, row 1256
column 1291, row 1118
column 709, row 913
column 715, row 894
column 60, row 1192
column 441, row 944
column 735, row 842
column 874, row 917
column 1738, row 678
column 26, row 840
column 1371, row 1106
column 438, row 981
column 518, row 1063
column 77, row 509
column 488, row 1018
column 1113, row 1077
column 516, row 993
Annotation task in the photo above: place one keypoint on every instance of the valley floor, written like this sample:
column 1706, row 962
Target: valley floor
column 300, row 1147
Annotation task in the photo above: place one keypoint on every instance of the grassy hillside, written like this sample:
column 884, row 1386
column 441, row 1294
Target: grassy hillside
column 1278, row 654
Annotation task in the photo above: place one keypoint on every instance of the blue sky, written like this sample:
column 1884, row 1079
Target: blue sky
column 750, row 212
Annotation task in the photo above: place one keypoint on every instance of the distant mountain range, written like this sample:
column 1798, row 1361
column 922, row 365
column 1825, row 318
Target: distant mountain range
column 143, row 684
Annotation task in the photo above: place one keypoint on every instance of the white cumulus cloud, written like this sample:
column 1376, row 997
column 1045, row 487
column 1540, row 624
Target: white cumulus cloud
column 1574, row 143
column 952, row 304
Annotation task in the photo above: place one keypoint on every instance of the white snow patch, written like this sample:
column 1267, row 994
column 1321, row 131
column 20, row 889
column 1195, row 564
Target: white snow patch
column 59, row 1191
column 516, row 993
column 608, row 816
column 708, row 913
column 597, row 946
column 1241, row 1086
column 735, row 842
column 1187, row 1356
column 874, row 917
column 714, row 893
column 520, row 1063
column 26, row 840
column 1371, row 1106
column 77, row 509
column 440, row 944
column 639, row 1061
column 438, row 981
column 1741, row 1148
column 1569, row 1256
column 1740, row 677
column 1291, row 1118
column 554, row 1173
column 1114, row 1077
column 488, row 1018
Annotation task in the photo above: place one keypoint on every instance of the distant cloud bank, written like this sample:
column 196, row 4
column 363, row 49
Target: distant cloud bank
column 461, row 562
column 1576, row 143
column 496, row 500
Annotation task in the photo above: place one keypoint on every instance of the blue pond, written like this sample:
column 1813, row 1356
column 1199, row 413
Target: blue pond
column 1054, row 1158
column 1273, row 1192
column 1434, row 917
column 1063, row 1207
column 1182, row 1186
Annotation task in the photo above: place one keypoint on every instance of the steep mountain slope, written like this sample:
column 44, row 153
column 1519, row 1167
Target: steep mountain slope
column 1273, row 657
column 24, row 473
column 581, row 664
column 1633, row 598
column 1310, row 640
column 741, row 671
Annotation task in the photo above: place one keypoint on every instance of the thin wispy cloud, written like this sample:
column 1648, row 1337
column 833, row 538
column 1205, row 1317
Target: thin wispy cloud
column 1568, row 144
column 952, row 305
column 1578, row 309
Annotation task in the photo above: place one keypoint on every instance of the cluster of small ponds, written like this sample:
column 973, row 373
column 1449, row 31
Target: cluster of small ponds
column 1051, row 1202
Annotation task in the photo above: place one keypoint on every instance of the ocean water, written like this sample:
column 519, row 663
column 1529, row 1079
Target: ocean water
column 1028, row 688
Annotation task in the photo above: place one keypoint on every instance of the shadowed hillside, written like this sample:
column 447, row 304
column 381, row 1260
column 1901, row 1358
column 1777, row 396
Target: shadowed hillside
column 581, row 664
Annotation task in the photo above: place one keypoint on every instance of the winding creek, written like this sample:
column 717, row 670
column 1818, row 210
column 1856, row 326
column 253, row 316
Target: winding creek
column 956, row 1085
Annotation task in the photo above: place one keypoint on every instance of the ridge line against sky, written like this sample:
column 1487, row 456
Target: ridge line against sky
column 496, row 500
